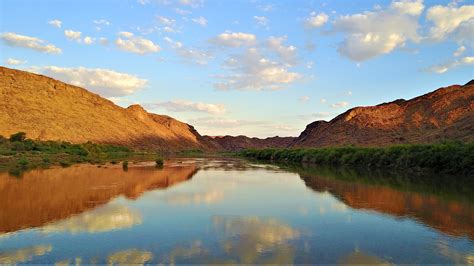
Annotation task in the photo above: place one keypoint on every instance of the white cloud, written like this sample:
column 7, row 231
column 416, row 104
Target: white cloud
column 88, row 40
column 459, row 51
column 165, row 21
column 322, row 100
column 235, row 39
column 445, row 67
column 55, row 23
column 339, row 104
column 265, row 8
column 191, row 3
column 189, row 54
column 304, row 99
column 286, row 53
column 370, row 34
column 16, row 40
column 200, row 20
column 189, row 106
column 133, row 44
column 125, row 34
column 410, row 7
column 252, row 71
column 316, row 20
column 101, row 23
column 182, row 11
column 212, row 122
column 451, row 19
column 73, row 35
column 105, row 82
column 14, row 62
column 261, row 20
column 316, row 116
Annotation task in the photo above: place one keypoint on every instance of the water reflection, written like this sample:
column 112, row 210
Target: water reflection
column 23, row 254
column 230, row 212
column 361, row 258
column 449, row 216
column 102, row 219
column 256, row 240
column 48, row 195
column 130, row 256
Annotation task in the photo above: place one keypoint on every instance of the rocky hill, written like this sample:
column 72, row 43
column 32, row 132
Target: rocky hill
column 48, row 109
column 237, row 143
column 446, row 113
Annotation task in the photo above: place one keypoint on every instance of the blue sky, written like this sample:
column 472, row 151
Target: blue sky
column 258, row 68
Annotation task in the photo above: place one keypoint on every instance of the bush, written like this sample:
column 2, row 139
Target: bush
column 446, row 157
column 23, row 162
column 125, row 165
column 46, row 160
column 159, row 162
column 20, row 136
column 64, row 163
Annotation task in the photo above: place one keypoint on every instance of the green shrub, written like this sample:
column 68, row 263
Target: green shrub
column 65, row 163
column 446, row 157
column 23, row 162
column 159, row 162
column 20, row 136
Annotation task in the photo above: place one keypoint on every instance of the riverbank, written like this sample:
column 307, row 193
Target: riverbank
column 18, row 154
column 448, row 157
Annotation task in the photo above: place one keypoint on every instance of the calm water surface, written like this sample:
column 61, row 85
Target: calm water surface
column 224, row 211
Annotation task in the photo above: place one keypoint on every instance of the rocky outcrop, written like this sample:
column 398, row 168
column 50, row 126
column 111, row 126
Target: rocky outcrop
column 48, row 109
column 447, row 113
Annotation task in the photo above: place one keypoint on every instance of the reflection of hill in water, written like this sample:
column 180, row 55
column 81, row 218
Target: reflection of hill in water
column 453, row 217
column 46, row 195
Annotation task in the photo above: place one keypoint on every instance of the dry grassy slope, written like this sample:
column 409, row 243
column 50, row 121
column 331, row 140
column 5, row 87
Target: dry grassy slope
column 48, row 109
column 447, row 113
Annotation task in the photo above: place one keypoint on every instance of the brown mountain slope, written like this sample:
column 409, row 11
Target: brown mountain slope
column 237, row 143
column 447, row 113
column 48, row 109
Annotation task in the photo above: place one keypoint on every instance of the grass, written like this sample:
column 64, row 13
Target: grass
column 18, row 153
column 446, row 157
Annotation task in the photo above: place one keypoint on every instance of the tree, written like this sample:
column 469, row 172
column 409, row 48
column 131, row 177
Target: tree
column 20, row 136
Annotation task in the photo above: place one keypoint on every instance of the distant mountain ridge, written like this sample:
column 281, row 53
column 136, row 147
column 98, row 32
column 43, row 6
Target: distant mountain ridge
column 446, row 113
column 237, row 143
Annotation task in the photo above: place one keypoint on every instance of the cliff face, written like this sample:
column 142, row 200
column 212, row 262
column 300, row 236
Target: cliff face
column 48, row 109
column 237, row 143
column 447, row 113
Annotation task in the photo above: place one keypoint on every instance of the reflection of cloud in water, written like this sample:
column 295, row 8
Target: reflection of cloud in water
column 457, row 257
column 130, row 256
column 23, row 255
column 103, row 219
column 339, row 207
column 255, row 240
column 361, row 258
column 267, row 232
column 206, row 197
column 194, row 250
